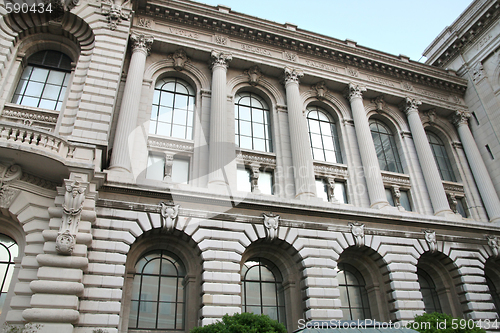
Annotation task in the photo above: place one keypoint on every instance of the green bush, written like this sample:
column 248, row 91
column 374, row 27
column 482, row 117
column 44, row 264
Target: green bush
column 442, row 323
column 243, row 323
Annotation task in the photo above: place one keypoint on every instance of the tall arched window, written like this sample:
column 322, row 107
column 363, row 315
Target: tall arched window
column 385, row 145
column 8, row 251
column 441, row 157
column 323, row 136
column 353, row 295
column 494, row 293
column 173, row 109
column 262, row 289
column 429, row 293
column 252, row 122
column 44, row 81
column 157, row 300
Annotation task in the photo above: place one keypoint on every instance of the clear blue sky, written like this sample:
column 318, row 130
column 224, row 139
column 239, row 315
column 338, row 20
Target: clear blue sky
column 393, row 26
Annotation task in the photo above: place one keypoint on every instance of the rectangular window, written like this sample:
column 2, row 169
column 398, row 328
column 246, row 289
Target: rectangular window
column 405, row 200
column 321, row 189
column 243, row 179
column 339, row 192
column 180, row 170
column 156, row 167
column 266, row 182
column 462, row 207
column 390, row 198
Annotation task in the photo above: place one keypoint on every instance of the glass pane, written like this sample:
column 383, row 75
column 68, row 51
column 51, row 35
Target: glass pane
column 388, row 195
column 181, row 102
column 314, row 126
column 253, row 271
column 191, row 103
column 328, row 143
column 258, row 131
column 180, row 117
column 189, row 121
column 243, row 179
column 321, row 190
column 318, row 154
column 343, row 296
column 339, row 192
column 246, row 142
column 354, row 296
column 272, row 312
column 179, row 131
column 180, row 171
column 34, row 89
column 350, row 278
column 269, row 294
column 259, row 144
column 326, row 129
column 246, row 128
column 252, row 293
column 180, row 87
column 56, row 77
column 47, row 104
column 244, row 113
column 39, row 74
column 21, row 86
column 168, row 289
column 51, row 92
column 357, row 314
column 30, row 101
column 164, row 114
column 461, row 207
column 149, row 290
column 168, row 268
column 405, row 200
column 136, row 285
column 166, row 316
column 163, row 129
column 266, row 274
column 266, row 182
column 132, row 319
column 316, row 141
column 169, row 85
column 257, row 116
column 147, row 315
column 167, row 99
column 155, row 168
column 254, row 309
column 330, row 156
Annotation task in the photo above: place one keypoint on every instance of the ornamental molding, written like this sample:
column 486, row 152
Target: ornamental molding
column 256, row 158
column 358, row 233
column 167, row 144
column 30, row 116
column 221, row 40
column 396, row 179
column 430, row 238
column 141, row 42
column 169, row 214
column 354, row 91
column 494, row 245
column 460, row 117
column 409, row 104
column 477, row 73
column 292, row 75
column 8, row 173
column 114, row 13
column 145, row 23
column 379, row 103
column 320, row 89
column 254, row 75
column 453, row 187
column 271, row 224
column 338, row 171
column 220, row 59
column 180, row 59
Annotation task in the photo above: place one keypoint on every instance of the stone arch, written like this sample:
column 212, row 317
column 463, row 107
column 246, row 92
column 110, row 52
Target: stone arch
column 289, row 262
column 241, row 81
column 492, row 276
column 394, row 116
column 165, row 67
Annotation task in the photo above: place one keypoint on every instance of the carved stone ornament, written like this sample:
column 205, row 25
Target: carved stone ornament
column 221, row 40
column 409, row 105
column 321, row 90
column 220, row 59
column 271, row 223
column 431, row 114
column 477, row 73
column 169, row 214
column 254, row 74
column 354, row 91
column 292, row 75
column 331, row 190
column 141, row 42
column 407, row 86
column 114, row 13
column 460, row 117
column 396, row 195
column 169, row 162
column 494, row 245
column 358, row 233
column 180, row 59
column 74, row 196
column 254, row 179
column 59, row 7
column 8, row 173
column 452, row 200
column 7, row 195
column 430, row 238
column 379, row 103
column 145, row 23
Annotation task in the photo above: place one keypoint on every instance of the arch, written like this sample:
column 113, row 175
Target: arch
column 388, row 151
column 444, row 273
column 180, row 245
column 165, row 67
column 323, row 134
column 289, row 263
column 492, row 276
column 330, row 101
column 393, row 117
column 241, row 81
column 372, row 267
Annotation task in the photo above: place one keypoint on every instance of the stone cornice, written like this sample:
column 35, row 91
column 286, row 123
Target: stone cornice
column 332, row 50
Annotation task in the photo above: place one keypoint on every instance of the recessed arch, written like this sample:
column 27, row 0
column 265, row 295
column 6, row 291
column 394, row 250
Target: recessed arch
column 190, row 73
column 240, row 82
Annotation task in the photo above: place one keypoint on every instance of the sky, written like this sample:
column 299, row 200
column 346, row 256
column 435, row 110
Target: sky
column 393, row 26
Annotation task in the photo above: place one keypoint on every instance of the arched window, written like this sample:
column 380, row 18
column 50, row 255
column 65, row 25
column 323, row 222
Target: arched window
column 353, row 295
column 385, row 145
column 494, row 293
column 8, row 251
column 44, row 81
column 173, row 109
column 262, row 289
column 252, row 122
column 441, row 157
column 157, row 300
column 428, row 290
column 323, row 136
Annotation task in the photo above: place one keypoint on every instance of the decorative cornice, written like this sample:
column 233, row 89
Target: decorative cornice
column 252, row 158
column 460, row 117
column 167, row 144
column 396, row 179
column 220, row 59
column 141, row 42
column 453, row 187
column 331, row 170
column 29, row 116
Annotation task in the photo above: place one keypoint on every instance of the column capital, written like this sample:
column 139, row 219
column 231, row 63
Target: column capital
column 219, row 58
column 354, row 91
column 409, row 105
column 141, row 43
column 460, row 117
column 292, row 75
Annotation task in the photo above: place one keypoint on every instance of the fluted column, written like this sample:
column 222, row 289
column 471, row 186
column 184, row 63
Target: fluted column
column 303, row 168
column 127, row 119
column 428, row 165
column 367, row 151
column 476, row 163
column 218, row 120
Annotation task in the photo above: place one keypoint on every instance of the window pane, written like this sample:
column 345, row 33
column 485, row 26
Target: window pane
column 253, row 293
column 388, row 195
column 166, row 99
column 258, row 131
column 252, row 122
column 46, row 104
column 243, row 179
column 164, row 114
column 461, row 207
column 246, row 142
column 259, row 144
column 405, row 200
column 180, row 171
column 266, row 182
column 314, row 126
column 149, row 290
column 269, row 294
column 166, row 316
column 39, row 74
column 339, row 192
column 246, row 128
column 321, row 190
column 155, row 168
column 147, row 315
column 168, row 289
column 56, row 78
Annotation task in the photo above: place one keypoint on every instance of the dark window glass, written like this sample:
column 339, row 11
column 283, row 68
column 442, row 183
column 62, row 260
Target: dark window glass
column 441, row 157
column 494, row 294
column 157, row 300
column 252, row 122
column 44, row 81
column 172, row 113
column 428, row 290
column 353, row 295
column 262, row 289
column 8, row 251
column 385, row 145
column 323, row 136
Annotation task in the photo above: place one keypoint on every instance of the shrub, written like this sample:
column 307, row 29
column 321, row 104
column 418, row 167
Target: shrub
column 443, row 323
column 243, row 323
column 26, row 328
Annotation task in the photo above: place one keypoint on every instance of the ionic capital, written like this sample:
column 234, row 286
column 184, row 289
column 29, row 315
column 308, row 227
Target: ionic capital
column 410, row 105
column 141, row 43
column 218, row 58
column 354, row 91
column 460, row 117
column 292, row 75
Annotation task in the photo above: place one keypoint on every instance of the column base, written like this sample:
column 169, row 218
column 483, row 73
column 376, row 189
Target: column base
column 306, row 196
column 381, row 204
column 119, row 175
column 449, row 214
column 495, row 220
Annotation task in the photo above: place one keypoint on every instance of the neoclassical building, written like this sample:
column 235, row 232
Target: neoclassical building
column 164, row 163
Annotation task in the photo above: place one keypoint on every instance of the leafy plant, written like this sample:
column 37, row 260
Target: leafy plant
column 99, row 330
column 26, row 328
column 442, row 323
column 243, row 323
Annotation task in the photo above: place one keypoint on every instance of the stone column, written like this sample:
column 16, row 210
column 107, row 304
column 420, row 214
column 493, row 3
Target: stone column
column 127, row 118
column 426, row 159
column 218, row 143
column 476, row 163
column 303, row 168
column 367, row 151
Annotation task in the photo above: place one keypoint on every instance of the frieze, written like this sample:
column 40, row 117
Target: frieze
column 432, row 94
column 249, row 158
column 483, row 41
column 290, row 56
column 221, row 40
column 380, row 80
column 352, row 72
column 322, row 66
column 144, row 23
column 392, row 179
column 407, row 86
column 30, row 115
column 254, row 49
column 159, row 143
column 453, row 187
column 183, row 33
column 339, row 171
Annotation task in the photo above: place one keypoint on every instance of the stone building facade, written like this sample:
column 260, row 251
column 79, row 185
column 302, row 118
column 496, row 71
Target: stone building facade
column 164, row 163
